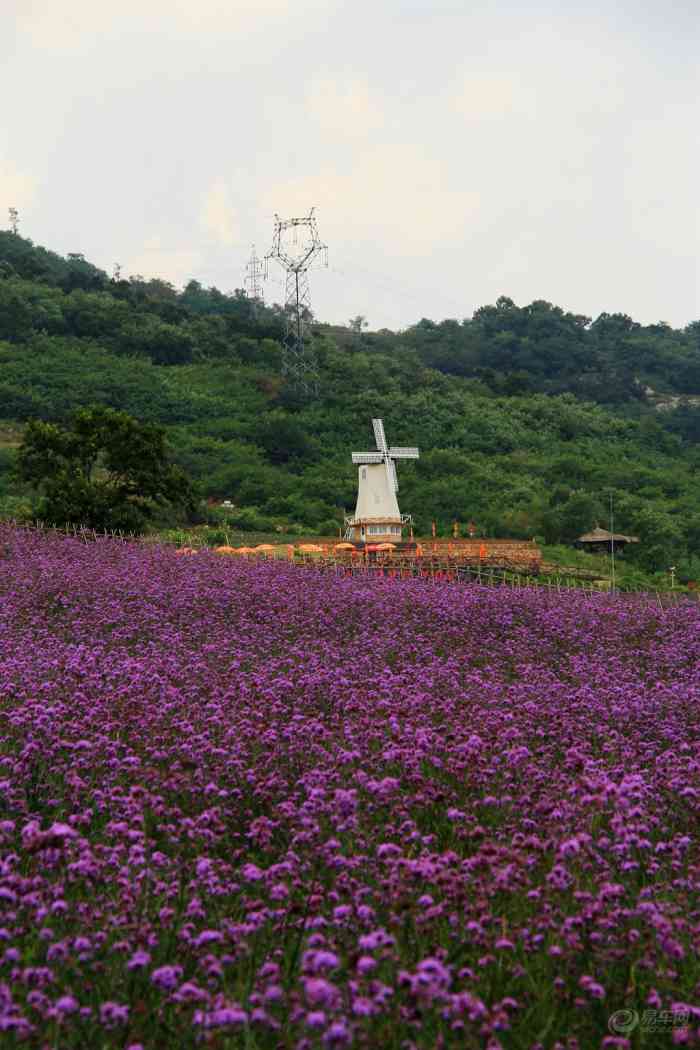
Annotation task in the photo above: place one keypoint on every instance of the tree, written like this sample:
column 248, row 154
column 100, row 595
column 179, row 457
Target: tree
column 284, row 439
column 15, row 312
column 105, row 470
column 661, row 541
column 565, row 521
column 165, row 344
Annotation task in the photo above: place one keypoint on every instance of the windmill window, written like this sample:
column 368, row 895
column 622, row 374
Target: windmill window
column 364, row 473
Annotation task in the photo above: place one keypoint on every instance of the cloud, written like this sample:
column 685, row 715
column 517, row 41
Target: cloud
column 17, row 189
column 485, row 96
column 219, row 218
column 82, row 23
column 345, row 108
column 176, row 265
column 392, row 192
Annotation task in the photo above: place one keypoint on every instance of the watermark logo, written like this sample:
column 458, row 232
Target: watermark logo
column 622, row 1022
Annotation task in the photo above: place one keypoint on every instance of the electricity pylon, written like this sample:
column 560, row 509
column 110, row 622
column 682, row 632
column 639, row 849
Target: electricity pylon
column 255, row 273
column 296, row 246
column 14, row 219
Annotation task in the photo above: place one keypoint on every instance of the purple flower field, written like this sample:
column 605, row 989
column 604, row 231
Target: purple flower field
column 257, row 806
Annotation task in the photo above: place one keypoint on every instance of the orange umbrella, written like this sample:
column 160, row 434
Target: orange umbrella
column 385, row 547
column 344, row 547
column 264, row 547
column 224, row 550
column 311, row 548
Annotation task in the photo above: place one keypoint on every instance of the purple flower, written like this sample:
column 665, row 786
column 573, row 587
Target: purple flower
column 376, row 939
column 207, row 937
column 337, row 1034
column 363, row 1007
column 138, row 960
column 227, row 1016
column 113, row 1014
column 320, row 992
column 317, row 961
column 166, row 977
column 487, row 779
column 67, row 1004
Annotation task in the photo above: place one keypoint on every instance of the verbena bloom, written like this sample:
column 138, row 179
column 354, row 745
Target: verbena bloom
column 320, row 992
column 346, row 833
column 66, row 1004
column 138, row 960
column 113, row 1014
column 167, row 977
column 316, row 1018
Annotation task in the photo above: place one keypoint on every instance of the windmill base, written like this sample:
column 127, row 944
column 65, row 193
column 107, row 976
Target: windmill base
column 377, row 530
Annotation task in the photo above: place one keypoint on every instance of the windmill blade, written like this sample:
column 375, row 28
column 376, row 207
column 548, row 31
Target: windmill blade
column 379, row 435
column 403, row 452
column 390, row 475
column 367, row 457
column 393, row 475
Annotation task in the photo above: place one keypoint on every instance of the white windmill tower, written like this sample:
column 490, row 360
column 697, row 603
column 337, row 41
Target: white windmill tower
column 377, row 516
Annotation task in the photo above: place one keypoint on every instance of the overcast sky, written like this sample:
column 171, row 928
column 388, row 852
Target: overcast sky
column 455, row 151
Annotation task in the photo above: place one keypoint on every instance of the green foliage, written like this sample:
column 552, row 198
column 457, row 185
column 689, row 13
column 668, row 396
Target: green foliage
column 105, row 470
column 661, row 539
column 579, row 512
column 284, row 439
column 527, row 417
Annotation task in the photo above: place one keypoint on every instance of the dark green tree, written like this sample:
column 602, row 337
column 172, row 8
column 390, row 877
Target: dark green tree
column 578, row 513
column 16, row 317
column 105, row 469
column 284, row 439
column 661, row 541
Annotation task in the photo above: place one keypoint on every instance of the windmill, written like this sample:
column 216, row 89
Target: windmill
column 377, row 515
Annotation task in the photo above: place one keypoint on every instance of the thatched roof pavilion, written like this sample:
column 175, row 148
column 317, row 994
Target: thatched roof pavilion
column 601, row 540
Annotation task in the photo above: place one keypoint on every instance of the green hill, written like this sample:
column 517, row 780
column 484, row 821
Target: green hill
column 526, row 417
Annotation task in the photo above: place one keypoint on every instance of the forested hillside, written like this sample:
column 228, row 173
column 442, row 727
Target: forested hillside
column 527, row 418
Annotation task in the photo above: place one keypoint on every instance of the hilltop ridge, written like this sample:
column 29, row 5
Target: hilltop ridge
column 527, row 417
